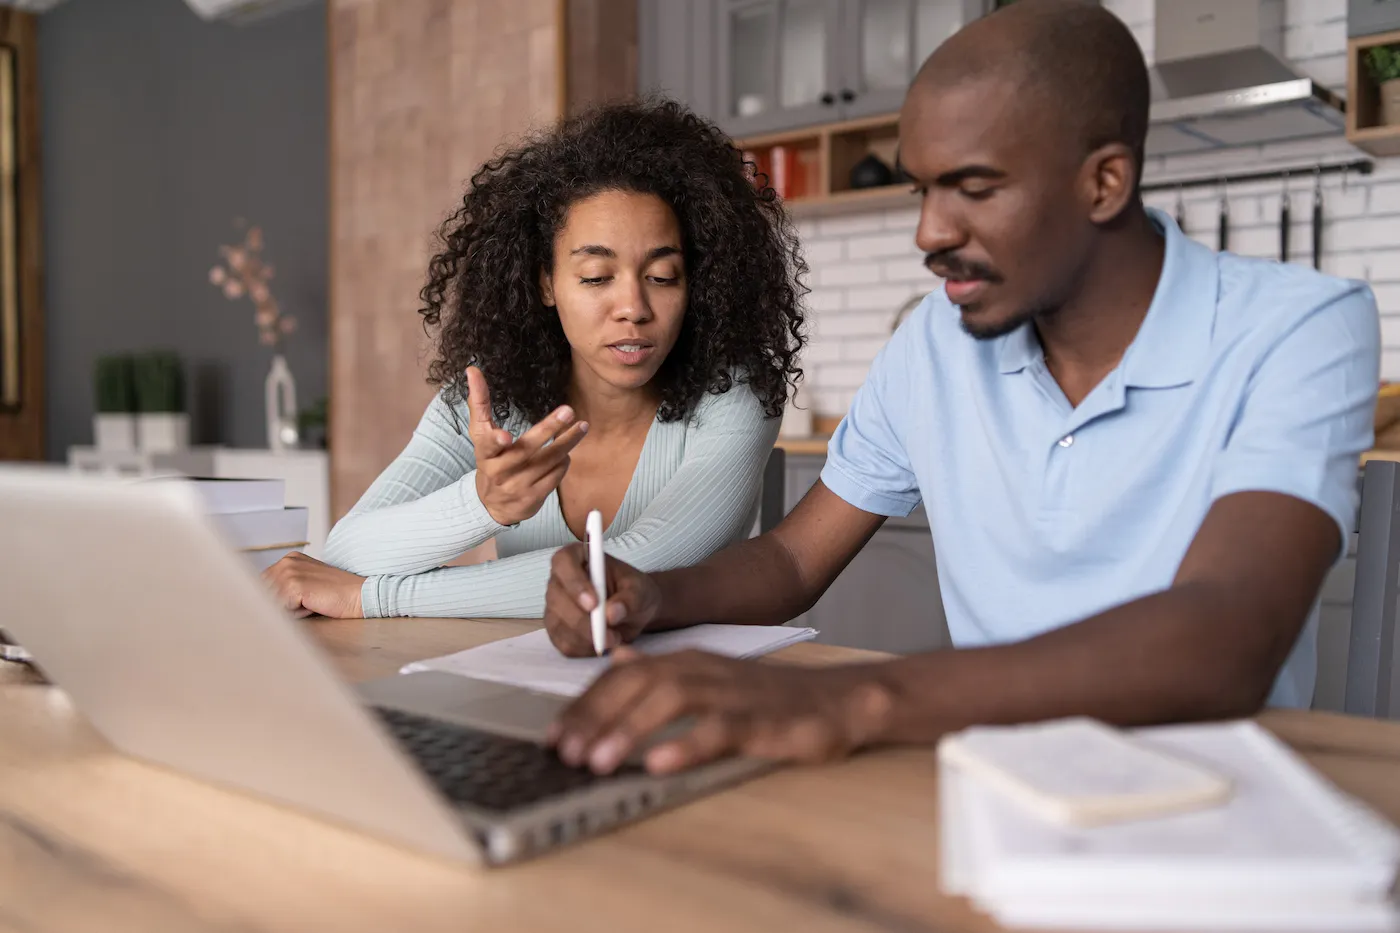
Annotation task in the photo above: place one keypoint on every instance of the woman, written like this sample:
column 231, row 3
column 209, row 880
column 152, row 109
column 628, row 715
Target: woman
column 617, row 315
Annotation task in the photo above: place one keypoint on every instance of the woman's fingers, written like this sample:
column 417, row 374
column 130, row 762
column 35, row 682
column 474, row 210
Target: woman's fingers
column 488, row 439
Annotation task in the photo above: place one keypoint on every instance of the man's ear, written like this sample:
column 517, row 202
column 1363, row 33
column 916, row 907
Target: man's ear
column 1109, row 179
column 547, row 288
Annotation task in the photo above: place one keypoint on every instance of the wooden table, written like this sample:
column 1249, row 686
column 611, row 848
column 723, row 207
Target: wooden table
column 92, row 841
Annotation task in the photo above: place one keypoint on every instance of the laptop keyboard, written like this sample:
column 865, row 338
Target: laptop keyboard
column 483, row 769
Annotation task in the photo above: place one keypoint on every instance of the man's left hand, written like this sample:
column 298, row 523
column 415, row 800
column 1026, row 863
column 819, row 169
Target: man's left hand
column 306, row 586
column 760, row 710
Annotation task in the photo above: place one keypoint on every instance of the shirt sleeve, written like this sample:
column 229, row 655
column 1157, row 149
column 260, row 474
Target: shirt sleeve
column 423, row 510
column 707, row 504
column 866, row 463
column 1308, row 412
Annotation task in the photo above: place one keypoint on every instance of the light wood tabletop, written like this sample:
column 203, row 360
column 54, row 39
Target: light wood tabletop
column 90, row 840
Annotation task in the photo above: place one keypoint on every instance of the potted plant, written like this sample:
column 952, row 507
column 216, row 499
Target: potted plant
column 1383, row 62
column 162, row 424
column 114, row 385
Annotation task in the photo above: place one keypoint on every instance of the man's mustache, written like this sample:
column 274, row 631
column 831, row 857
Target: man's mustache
column 950, row 266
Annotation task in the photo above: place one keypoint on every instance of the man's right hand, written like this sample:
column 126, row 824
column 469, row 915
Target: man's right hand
column 514, row 475
column 634, row 600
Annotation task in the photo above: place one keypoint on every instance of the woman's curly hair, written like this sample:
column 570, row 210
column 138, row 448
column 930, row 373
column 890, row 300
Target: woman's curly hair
column 743, row 265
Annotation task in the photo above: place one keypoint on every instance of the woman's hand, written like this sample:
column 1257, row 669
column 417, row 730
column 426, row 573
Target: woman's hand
column 515, row 475
column 304, row 585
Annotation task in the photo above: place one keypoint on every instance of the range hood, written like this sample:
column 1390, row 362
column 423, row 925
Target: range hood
column 1220, row 80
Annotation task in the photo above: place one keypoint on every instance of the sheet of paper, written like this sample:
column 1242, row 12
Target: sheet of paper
column 531, row 661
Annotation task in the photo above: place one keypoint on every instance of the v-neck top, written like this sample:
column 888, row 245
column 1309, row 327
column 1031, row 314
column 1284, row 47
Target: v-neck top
column 694, row 491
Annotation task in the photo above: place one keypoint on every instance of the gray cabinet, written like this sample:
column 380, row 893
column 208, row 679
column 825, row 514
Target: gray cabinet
column 777, row 64
column 762, row 66
column 887, row 598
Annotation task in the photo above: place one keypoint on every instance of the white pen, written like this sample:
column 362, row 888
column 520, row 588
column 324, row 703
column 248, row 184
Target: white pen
column 593, row 528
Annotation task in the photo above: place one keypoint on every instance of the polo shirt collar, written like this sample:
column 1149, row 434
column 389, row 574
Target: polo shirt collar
column 1171, row 346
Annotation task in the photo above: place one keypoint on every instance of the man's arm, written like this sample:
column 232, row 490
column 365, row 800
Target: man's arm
column 762, row 581
column 1207, row 647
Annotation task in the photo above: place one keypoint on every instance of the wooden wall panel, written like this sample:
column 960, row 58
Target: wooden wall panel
column 602, row 51
column 422, row 92
column 22, row 427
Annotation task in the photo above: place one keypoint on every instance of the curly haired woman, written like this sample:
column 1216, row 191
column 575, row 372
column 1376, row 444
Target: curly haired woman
column 617, row 315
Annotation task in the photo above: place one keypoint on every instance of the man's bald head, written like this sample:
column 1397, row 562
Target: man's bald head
column 1072, row 61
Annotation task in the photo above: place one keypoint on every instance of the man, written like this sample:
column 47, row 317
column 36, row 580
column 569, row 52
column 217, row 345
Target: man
column 1138, row 457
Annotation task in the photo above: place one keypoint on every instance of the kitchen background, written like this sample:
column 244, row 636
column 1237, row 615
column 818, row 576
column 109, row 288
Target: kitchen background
column 865, row 265
column 346, row 129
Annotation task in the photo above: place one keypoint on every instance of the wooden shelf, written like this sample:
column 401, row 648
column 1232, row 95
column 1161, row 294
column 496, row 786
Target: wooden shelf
column 824, row 155
column 850, row 202
column 1363, row 100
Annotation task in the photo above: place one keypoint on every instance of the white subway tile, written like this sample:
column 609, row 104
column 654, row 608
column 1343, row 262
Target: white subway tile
column 1254, row 241
column 849, row 273
column 1362, row 233
column 1330, row 71
column 901, row 218
column 1384, row 265
column 820, row 351
column 1383, row 199
column 831, row 401
column 842, row 375
column 1314, row 40
column 1310, row 12
column 852, row 223
column 880, row 246
column 1131, row 12
column 857, row 324
column 1345, row 265
column 806, row 228
column 882, row 299
column 1388, row 298
column 862, row 351
column 1390, row 331
column 823, row 251
column 821, row 300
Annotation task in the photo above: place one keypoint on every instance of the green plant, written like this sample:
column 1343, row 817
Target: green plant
column 311, row 423
column 114, row 383
column 1383, row 62
column 160, row 382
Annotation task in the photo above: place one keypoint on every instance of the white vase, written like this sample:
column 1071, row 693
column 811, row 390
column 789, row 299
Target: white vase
column 163, row 432
column 114, row 431
column 281, row 400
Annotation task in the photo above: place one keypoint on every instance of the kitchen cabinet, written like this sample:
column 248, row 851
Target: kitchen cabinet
column 887, row 598
column 763, row 66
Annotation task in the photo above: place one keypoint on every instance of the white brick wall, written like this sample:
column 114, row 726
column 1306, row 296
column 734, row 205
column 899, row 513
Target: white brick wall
column 865, row 266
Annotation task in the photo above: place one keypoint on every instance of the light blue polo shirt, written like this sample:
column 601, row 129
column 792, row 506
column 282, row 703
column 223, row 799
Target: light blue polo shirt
column 1245, row 375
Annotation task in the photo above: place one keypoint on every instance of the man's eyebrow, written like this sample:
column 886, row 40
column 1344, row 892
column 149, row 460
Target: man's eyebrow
column 956, row 176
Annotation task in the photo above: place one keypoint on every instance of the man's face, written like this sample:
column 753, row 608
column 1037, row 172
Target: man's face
column 999, row 219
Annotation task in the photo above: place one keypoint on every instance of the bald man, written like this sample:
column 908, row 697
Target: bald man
column 1138, row 456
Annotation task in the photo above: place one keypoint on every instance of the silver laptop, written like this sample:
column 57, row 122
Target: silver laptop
column 172, row 646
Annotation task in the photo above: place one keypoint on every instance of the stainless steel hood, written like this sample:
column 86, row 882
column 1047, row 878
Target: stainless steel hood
column 1220, row 80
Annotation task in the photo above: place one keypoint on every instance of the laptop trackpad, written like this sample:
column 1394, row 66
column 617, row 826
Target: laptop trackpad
column 481, row 704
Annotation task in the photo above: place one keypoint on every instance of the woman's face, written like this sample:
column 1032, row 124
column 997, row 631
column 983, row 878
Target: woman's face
column 619, row 285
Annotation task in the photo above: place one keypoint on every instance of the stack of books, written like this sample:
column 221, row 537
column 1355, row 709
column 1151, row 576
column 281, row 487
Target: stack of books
column 1026, row 840
column 253, row 516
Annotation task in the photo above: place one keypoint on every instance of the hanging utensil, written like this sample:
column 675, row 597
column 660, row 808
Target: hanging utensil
column 1283, row 222
column 1180, row 210
column 1223, row 233
column 1317, row 218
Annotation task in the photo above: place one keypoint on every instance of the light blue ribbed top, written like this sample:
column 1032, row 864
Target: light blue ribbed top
column 694, row 491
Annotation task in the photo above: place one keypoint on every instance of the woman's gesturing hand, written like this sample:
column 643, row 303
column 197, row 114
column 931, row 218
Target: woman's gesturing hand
column 514, row 475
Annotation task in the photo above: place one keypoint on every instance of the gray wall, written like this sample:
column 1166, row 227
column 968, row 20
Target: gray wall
column 158, row 129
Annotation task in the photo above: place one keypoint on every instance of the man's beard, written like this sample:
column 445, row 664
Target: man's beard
column 992, row 330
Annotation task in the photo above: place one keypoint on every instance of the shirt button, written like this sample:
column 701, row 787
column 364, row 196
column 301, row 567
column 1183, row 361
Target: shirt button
column 1067, row 440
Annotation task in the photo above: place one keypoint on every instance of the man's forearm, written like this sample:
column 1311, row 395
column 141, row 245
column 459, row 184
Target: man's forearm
column 1161, row 658
column 755, row 582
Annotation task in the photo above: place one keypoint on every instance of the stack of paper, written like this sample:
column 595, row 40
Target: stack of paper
column 1284, row 851
column 252, row 516
column 532, row 661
